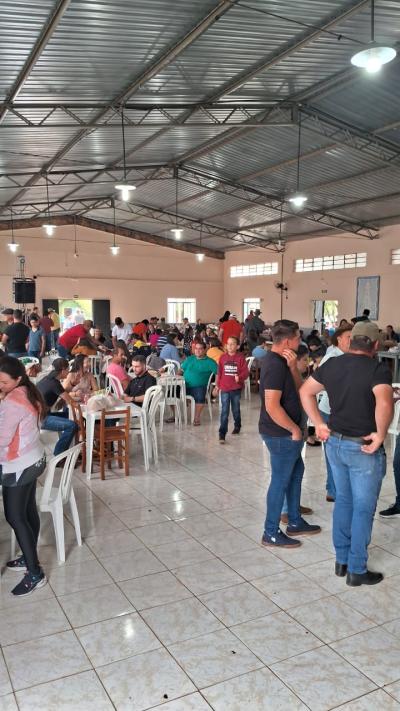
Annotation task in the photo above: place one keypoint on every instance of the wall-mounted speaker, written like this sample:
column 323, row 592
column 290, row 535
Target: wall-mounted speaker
column 24, row 291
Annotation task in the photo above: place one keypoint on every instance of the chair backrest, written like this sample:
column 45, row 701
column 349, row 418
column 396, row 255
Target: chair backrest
column 170, row 385
column 114, row 385
column 210, row 386
column 79, row 420
column 250, row 360
column 169, row 368
column 95, row 363
column 175, row 363
column 64, row 488
column 154, row 405
column 149, row 394
column 120, row 428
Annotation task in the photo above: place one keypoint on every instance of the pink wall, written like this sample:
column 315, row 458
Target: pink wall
column 137, row 282
column 303, row 288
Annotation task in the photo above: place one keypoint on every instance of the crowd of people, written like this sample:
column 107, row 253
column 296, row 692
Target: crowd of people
column 333, row 379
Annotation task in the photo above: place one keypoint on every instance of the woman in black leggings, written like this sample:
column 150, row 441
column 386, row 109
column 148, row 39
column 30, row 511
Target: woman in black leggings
column 22, row 461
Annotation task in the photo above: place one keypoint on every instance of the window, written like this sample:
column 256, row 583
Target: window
column 178, row 309
column 250, row 304
column 250, row 270
column 339, row 261
column 395, row 256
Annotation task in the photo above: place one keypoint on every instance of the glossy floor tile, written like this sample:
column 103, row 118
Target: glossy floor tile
column 171, row 603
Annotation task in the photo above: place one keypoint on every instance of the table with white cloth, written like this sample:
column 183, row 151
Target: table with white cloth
column 93, row 417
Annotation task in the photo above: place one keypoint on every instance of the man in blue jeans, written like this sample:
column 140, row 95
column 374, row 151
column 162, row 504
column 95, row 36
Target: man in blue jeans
column 280, row 429
column 53, row 392
column 361, row 401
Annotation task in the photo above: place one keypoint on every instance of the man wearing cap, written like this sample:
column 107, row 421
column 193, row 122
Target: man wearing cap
column 361, row 401
column 229, row 328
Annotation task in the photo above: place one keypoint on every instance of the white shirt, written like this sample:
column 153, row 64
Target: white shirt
column 323, row 403
column 122, row 333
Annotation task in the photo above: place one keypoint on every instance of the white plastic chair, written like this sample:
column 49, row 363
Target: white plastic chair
column 210, row 387
column 95, row 364
column 393, row 429
column 247, row 383
column 168, row 368
column 170, row 385
column 54, row 499
column 152, row 402
column 175, row 363
column 49, row 440
column 114, row 385
column 187, row 400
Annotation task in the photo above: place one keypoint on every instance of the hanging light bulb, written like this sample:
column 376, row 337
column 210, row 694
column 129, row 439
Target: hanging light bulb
column 12, row 246
column 298, row 199
column 124, row 187
column 114, row 248
column 176, row 231
column 375, row 55
column 200, row 256
column 76, row 255
column 48, row 226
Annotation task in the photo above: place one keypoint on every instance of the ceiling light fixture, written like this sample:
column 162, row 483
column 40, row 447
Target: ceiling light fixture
column 76, row 255
column 376, row 55
column 124, row 187
column 48, row 226
column 200, row 255
column 298, row 199
column 12, row 246
column 176, row 231
column 114, row 247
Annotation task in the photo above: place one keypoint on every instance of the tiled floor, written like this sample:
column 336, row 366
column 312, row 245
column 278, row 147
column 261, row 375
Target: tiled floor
column 171, row 602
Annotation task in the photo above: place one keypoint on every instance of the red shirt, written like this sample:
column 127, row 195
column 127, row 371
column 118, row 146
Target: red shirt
column 230, row 328
column 228, row 367
column 72, row 336
column 140, row 329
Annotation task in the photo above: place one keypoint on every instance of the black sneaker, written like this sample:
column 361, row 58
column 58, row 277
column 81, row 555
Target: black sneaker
column 279, row 540
column 391, row 512
column 303, row 529
column 368, row 578
column 236, row 430
column 221, row 439
column 29, row 584
column 17, row 564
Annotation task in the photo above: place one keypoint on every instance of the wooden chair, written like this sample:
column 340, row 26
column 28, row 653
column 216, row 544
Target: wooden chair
column 118, row 433
column 80, row 436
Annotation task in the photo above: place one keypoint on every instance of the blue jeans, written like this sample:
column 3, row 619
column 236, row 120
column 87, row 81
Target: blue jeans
column 330, row 484
column 17, row 355
column 230, row 399
column 287, row 469
column 66, row 428
column 396, row 469
column 358, row 479
column 54, row 338
column 62, row 352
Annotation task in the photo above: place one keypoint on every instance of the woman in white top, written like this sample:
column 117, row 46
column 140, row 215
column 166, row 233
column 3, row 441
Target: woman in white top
column 22, row 461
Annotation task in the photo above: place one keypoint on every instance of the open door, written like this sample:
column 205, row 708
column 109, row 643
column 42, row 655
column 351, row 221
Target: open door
column 101, row 315
column 50, row 304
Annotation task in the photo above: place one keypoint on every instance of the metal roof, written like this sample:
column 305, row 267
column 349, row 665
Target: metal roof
column 212, row 92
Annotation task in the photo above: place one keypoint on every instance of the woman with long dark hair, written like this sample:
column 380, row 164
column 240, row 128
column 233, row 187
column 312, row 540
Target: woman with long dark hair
column 80, row 383
column 22, row 461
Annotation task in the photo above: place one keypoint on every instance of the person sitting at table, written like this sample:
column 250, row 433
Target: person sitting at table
column 116, row 367
column 215, row 351
column 153, row 338
column 261, row 349
column 390, row 337
column 170, row 350
column 196, row 372
column 80, row 382
column 137, row 341
column 142, row 381
column 154, row 362
column 57, row 399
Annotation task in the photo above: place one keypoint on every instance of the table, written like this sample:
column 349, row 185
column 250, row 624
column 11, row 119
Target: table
column 387, row 355
column 92, row 417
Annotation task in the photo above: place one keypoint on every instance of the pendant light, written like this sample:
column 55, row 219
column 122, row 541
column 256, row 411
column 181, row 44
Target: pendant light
column 281, row 242
column 176, row 231
column 376, row 55
column 298, row 199
column 12, row 246
column 124, row 187
column 76, row 255
column 114, row 247
column 200, row 255
column 48, row 226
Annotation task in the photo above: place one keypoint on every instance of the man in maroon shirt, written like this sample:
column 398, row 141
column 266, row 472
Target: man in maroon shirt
column 70, row 338
column 46, row 324
column 232, row 372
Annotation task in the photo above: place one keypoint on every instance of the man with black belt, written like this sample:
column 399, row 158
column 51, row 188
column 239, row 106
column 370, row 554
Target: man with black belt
column 361, row 400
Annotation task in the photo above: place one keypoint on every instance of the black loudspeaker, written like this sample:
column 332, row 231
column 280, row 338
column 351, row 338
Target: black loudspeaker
column 24, row 291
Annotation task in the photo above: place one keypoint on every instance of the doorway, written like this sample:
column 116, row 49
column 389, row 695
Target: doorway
column 325, row 314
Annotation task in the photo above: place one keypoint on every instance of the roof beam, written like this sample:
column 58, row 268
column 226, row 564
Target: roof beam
column 154, row 68
column 37, row 50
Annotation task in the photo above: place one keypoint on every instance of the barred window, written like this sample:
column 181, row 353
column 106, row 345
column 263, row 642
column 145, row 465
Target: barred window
column 338, row 261
column 251, row 270
column 395, row 256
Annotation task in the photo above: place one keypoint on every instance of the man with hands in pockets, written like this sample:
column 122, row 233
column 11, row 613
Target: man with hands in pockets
column 280, row 426
column 361, row 400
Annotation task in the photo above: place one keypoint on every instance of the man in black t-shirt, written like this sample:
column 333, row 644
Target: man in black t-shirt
column 142, row 381
column 280, row 429
column 15, row 336
column 361, row 401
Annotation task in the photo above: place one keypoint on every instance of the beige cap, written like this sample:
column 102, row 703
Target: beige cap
column 368, row 329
